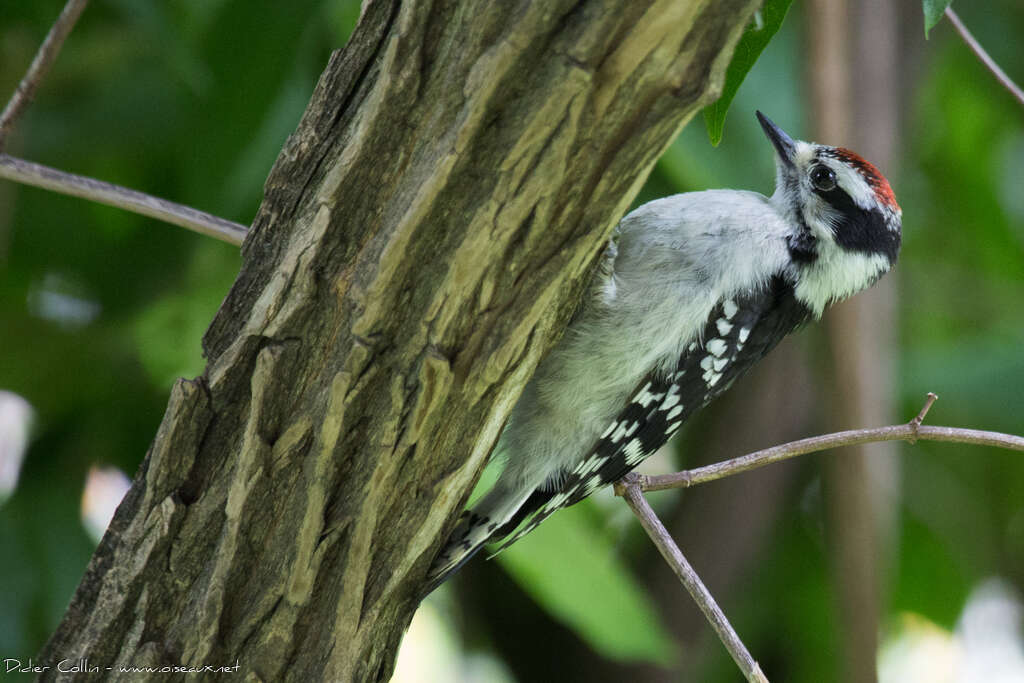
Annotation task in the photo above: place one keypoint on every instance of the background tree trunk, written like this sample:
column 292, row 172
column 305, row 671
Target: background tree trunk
column 424, row 237
column 854, row 95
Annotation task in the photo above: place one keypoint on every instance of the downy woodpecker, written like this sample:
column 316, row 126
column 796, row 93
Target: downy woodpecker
column 694, row 289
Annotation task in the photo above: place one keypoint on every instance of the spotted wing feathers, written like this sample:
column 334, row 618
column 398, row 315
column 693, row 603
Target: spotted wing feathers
column 737, row 334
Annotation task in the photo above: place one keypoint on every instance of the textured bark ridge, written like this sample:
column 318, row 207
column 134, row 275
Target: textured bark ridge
column 424, row 237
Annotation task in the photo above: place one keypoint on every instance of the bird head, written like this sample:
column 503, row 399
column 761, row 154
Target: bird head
column 846, row 222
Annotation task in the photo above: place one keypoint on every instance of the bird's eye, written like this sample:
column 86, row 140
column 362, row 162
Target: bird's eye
column 823, row 178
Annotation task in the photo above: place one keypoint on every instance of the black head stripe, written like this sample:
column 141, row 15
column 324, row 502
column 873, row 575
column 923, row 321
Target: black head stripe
column 862, row 230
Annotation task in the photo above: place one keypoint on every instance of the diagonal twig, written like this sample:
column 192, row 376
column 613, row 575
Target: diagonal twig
column 52, row 179
column 915, row 424
column 42, row 62
column 989, row 63
column 629, row 489
column 48, row 178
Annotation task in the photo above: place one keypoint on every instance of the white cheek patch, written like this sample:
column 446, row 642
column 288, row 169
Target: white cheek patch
column 821, row 218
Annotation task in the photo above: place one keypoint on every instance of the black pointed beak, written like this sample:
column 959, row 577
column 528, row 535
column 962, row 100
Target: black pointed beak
column 784, row 144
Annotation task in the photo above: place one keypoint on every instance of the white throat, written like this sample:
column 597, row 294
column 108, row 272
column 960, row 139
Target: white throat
column 836, row 274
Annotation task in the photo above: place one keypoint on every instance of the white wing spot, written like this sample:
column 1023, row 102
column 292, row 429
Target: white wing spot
column 670, row 401
column 692, row 346
column 729, row 308
column 611, row 428
column 705, row 363
column 716, row 346
column 634, row 451
column 720, row 363
column 645, row 397
column 723, row 326
column 632, row 428
column 674, row 412
column 642, row 395
column 559, row 500
column 744, row 333
column 619, row 433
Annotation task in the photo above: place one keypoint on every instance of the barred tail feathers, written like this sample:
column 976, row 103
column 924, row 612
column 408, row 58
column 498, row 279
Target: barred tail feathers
column 475, row 528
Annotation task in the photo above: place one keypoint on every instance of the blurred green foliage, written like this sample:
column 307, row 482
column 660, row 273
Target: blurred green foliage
column 192, row 99
column 623, row 624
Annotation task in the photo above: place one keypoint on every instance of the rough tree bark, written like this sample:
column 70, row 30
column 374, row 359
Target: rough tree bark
column 423, row 239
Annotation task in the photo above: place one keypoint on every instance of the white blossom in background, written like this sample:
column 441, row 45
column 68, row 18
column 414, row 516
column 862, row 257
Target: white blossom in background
column 987, row 645
column 104, row 489
column 918, row 651
column 430, row 653
column 989, row 630
column 15, row 422
column 61, row 300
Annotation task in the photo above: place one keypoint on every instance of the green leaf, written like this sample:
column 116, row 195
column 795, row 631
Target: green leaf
column 576, row 573
column 933, row 11
column 750, row 47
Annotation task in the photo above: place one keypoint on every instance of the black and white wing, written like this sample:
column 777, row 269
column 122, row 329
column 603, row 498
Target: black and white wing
column 738, row 333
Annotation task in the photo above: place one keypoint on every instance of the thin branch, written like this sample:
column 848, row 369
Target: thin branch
column 632, row 486
column 42, row 62
column 629, row 489
column 989, row 63
column 915, row 423
column 48, row 178
column 911, row 432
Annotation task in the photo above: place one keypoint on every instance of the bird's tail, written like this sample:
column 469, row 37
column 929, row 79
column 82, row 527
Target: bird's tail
column 491, row 518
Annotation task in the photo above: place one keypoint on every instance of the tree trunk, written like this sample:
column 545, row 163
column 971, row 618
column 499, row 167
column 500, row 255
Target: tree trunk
column 423, row 239
column 854, row 103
